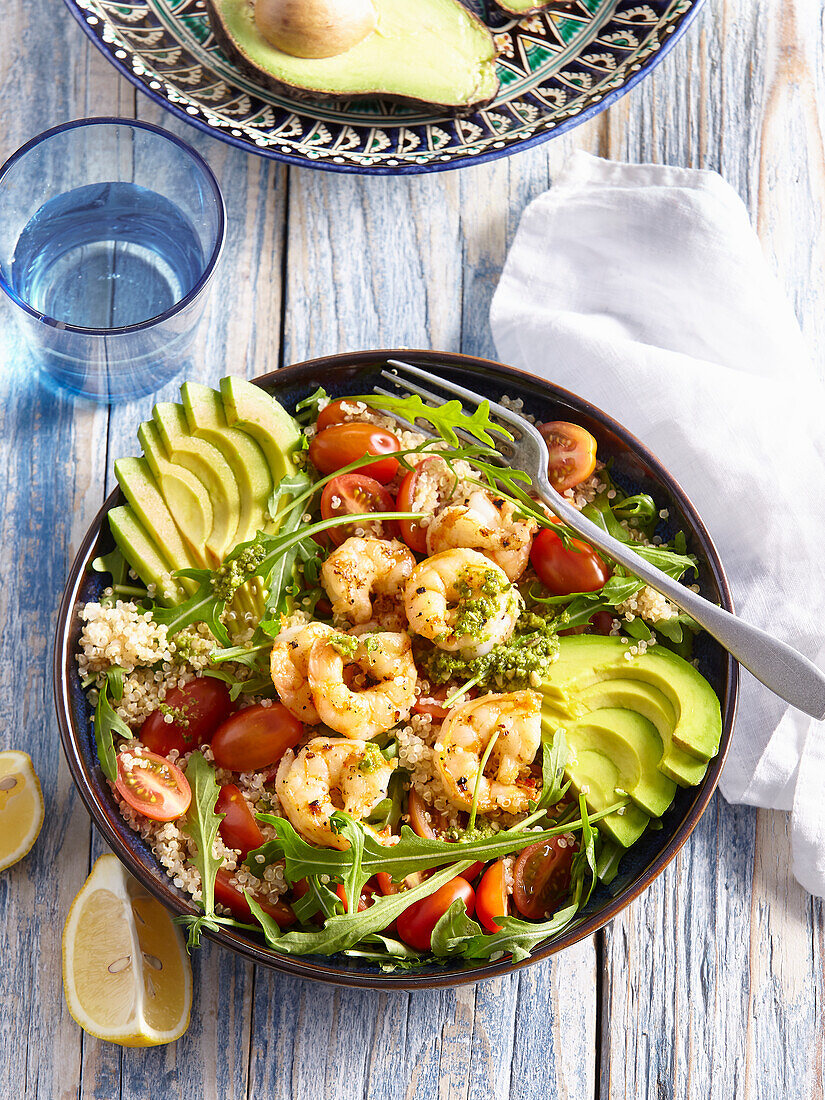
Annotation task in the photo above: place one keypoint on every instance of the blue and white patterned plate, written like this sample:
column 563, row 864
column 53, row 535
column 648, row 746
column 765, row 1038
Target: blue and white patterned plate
column 556, row 70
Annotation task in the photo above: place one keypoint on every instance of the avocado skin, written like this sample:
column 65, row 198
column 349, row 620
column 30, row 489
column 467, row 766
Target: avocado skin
column 302, row 95
column 670, row 728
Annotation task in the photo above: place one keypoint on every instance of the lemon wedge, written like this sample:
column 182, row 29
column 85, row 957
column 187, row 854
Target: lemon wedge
column 126, row 973
column 21, row 807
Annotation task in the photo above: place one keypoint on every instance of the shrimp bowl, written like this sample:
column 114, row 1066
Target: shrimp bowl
column 343, row 694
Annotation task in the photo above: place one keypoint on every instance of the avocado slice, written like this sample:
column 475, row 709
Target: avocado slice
column 206, row 419
column 598, row 776
column 253, row 411
column 434, row 52
column 185, row 496
column 138, row 485
column 209, row 466
column 522, row 7
column 588, row 659
column 141, row 552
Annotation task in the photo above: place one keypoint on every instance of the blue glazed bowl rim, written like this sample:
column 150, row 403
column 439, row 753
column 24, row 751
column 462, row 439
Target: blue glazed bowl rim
column 220, row 235
column 400, row 169
column 94, row 791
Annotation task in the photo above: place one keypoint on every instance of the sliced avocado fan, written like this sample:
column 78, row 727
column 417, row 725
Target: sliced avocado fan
column 434, row 52
column 635, row 727
column 203, row 485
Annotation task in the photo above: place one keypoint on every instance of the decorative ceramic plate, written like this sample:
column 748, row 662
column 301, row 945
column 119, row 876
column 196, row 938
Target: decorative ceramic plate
column 556, row 69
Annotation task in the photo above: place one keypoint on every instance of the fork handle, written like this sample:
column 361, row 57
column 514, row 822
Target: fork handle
column 782, row 669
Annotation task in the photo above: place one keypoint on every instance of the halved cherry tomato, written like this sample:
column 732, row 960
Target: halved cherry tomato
column 353, row 495
column 235, row 901
column 422, row 816
column 385, row 883
column 152, row 785
column 572, row 452
column 541, row 877
column 562, row 569
column 239, row 829
column 365, row 900
column 416, row 924
column 344, row 443
column 255, row 738
column 491, row 897
column 601, row 623
column 414, row 536
column 204, row 704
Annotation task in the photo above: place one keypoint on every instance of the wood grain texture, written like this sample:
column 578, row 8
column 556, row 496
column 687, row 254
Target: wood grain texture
column 712, row 984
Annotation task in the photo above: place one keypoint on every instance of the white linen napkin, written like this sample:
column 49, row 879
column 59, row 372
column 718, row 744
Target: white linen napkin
column 644, row 289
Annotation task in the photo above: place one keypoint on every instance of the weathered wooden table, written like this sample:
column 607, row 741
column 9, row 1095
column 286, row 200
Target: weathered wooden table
column 710, row 985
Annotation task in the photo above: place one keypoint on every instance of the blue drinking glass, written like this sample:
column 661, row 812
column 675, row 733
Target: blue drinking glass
column 110, row 230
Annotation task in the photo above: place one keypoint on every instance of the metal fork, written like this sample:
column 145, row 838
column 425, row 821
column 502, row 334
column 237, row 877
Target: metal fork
column 780, row 668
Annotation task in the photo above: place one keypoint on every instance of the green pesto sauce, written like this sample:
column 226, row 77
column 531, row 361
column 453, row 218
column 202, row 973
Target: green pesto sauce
column 533, row 647
column 177, row 714
column 345, row 644
column 232, row 574
column 371, row 760
column 478, row 603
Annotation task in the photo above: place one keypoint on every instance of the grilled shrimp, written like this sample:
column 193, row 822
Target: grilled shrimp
column 330, row 773
column 288, row 668
column 369, row 690
column 364, row 579
column 461, row 601
column 507, row 783
column 488, row 524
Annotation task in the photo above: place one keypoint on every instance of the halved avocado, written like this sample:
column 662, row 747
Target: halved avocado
column 142, row 553
column 434, row 52
column 207, row 420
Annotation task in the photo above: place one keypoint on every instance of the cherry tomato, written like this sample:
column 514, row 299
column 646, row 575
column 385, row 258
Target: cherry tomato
column 204, row 704
column 601, row 623
column 385, row 883
column 235, row 901
column 572, row 452
column 491, row 897
column 152, row 785
column 365, row 900
column 409, row 501
column 344, row 443
column 416, row 924
column 333, row 414
column 422, row 816
column 353, row 495
column 565, row 570
column 541, row 877
column 239, row 829
column 255, row 738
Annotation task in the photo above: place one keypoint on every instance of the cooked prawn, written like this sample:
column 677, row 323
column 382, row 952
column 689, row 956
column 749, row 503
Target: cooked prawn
column 363, row 686
column 288, row 669
column 330, row 774
column 507, row 783
column 486, row 523
column 364, row 579
column 461, row 601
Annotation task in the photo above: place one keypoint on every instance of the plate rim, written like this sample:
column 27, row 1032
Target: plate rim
column 270, row 153
column 298, row 966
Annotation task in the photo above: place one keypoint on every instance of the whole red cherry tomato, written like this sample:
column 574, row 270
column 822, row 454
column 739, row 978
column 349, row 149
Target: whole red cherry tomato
column 354, row 495
column 416, row 924
column 491, row 897
column 541, row 877
column 255, row 738
column 239, row 829
column 337, row 446
column 235, row 901
column 333, row 413
column 203, row 704
column 567, row 569
column 572, row 451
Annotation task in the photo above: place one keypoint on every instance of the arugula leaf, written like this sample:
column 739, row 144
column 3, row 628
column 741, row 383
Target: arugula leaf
column 353, row 878
column 343, row 932
column 453, row 929
column 319, row 898
column 607, row 864
column 202, row 824
column 113, row 563
column 672, row 562
column 584, row 862
column 107, row 723
column 554, row 757
column 307, row 410
column 443, row 418
column 203, row 607
column 517, row 937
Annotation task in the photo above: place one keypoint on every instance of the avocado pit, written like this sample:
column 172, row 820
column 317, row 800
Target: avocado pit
column 315, row 28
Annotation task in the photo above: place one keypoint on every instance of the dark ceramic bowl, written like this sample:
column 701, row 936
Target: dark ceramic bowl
column 633, row 467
